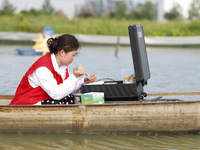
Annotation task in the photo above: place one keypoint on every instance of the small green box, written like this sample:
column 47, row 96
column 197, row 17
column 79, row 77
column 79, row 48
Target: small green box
column 93, row 98
column 87, row 99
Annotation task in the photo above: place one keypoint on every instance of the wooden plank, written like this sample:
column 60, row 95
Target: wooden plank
column 159, row 117
column 6, row 97
column 150, row 94
column 171, row 94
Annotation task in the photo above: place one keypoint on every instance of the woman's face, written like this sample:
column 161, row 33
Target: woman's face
column 67, row 58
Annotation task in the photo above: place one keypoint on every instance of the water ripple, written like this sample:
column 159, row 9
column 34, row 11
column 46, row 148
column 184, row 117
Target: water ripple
column 29, row 141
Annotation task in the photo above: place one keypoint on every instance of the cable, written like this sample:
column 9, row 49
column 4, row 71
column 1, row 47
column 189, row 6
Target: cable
column 103, row 79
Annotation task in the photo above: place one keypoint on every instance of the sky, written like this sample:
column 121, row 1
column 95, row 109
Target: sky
column 68, row 6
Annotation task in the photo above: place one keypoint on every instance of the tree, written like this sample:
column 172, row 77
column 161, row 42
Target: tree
column 194, row 10
column 47, row 8
column 120, row 9
column 148, row 11
column 7, row 8
column 32, row 12
column 135, row 14
column 174, row 13
column 111, row 13
column 144, row 11
column 86, row 13
column 96, row 6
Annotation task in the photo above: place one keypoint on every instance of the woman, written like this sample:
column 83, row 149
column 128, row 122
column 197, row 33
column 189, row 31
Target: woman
column 48, row 80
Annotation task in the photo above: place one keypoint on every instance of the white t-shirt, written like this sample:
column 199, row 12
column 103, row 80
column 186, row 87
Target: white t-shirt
column 43, row 77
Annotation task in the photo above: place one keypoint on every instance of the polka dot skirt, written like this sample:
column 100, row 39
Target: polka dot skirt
column 69, row 99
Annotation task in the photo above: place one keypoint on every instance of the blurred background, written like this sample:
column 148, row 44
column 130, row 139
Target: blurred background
column 102, row 17
column 172, row 36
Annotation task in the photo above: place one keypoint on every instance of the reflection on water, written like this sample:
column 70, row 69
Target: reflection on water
column 90, row 142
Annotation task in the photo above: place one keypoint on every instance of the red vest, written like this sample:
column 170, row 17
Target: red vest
column 27, row 95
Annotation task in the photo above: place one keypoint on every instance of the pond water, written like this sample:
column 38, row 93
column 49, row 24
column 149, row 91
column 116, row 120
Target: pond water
column 172, row 70
column 30, row 141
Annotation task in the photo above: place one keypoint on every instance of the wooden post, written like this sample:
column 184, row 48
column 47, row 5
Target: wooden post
column 117, row 46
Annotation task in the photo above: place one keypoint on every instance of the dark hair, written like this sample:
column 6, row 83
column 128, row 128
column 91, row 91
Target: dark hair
column 66, row 42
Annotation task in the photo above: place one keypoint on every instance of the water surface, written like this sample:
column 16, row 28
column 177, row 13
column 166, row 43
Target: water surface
column 172, row 70
column 31, row 141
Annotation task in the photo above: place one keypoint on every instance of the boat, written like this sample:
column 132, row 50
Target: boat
column 28, row 52
column 175, row 113
column 148, row 114
column 40, row 46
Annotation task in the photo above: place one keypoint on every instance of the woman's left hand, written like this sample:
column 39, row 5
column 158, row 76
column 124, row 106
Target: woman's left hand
column 93, row 78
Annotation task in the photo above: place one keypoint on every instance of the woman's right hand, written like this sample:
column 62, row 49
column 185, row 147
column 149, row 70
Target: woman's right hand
column 78, row 71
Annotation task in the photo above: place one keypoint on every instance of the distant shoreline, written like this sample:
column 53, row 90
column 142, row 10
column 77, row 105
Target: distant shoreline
column 26, row 38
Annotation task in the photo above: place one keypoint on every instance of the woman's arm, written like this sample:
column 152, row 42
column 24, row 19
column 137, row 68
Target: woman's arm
column 44, row 78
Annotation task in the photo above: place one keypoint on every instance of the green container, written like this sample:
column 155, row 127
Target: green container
column 93, row 98
column 87, row 99
column 98, row 99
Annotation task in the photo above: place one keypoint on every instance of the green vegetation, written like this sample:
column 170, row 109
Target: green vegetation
column 100, row 26
column 117, row 9
column 95, row 21
column 194, row 11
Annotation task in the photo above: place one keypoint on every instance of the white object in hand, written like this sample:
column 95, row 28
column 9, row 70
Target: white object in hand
column 87, row 75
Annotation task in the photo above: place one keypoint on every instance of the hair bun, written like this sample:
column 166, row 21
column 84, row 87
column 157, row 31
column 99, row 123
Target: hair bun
column 55, row 39
column 52, row 44
column 49, row 41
